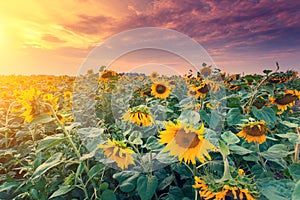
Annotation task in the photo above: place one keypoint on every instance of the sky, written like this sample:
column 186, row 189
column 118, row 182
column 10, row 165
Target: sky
column 60, row 36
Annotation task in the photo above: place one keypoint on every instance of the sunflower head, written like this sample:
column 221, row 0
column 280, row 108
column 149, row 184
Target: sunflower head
column 192, row 91
column 239, row 187
column 154, row 75
column 206, row 71
column 139, row 115
column 254, row 132
column 118, row 152
column 186, row 143
column 160, row 90
column 285, row 101
column 107, row 75
column 202, row 90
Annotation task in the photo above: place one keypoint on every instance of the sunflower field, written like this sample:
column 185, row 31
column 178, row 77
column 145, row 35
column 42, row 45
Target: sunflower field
column 107, row 135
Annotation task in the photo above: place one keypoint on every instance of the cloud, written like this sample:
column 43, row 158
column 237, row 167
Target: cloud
column 90, row 25
column 51, row 38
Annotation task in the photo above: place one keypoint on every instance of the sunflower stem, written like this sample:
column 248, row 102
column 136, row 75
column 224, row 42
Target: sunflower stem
column 260, row 157
column 6, row 122
column 69, row 139
column 189, row 168
column 297, row 148
column 226, row 174
column 253, row 97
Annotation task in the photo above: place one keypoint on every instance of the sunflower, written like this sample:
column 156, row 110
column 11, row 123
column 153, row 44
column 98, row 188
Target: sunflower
column 31, row 101
column 209, row 191
column 50, row 99
column 286, row 101
column 234, row 87
column 154, row 75
column 160, row 90
column 204, row 191
column 67, row 95
column 254, row 132
column 139, row 115
column 192, row 91
column 202, row 90
column 236, row 192
column 107, row 75
column 206, row 71
column 118, row 152
column 187, row 143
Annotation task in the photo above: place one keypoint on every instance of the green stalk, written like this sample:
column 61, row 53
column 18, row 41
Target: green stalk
column 69, row 139
column 297, row 148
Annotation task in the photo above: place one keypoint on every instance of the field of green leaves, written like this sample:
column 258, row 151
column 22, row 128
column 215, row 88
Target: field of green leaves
column 108, row 135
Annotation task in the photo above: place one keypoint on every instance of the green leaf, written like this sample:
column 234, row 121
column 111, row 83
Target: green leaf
column 277, row 151
column 267, row 114
column 153, row 144
column 204, row 116
column 296, row 193
column 50, row 141
column 135, row 138
column 289, row 124
column 53, row 161
column 189, row 117
column 292, row 137
column 91, row 137
column 8, row 185
column 276, row 189
column 230, row 138
column 108, row 195
column 224, row 148
column 104, row 186
column 294, row 170
column 146, row 186
column 62, row 190
column 42, row 119
column 175, row 193
column 95, row 170
column 239, row 150
column 234, row 116
column 127, row 180
column 166, row 182
column 214, row 119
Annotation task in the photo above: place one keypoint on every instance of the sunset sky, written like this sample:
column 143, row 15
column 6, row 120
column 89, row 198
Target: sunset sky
column 56, row 37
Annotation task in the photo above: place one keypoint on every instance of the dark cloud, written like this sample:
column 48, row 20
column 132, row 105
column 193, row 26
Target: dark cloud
column 223, row 27
column 217, row 24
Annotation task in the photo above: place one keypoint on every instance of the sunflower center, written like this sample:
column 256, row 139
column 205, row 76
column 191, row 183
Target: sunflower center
column 255, row 130
column 204, row 89
column 107, row 75
column 192, row 92
column 160, row 89
column 186, row 140
column 286, row 99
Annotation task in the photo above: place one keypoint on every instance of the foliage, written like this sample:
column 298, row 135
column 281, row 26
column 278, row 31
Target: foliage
column 52, row 128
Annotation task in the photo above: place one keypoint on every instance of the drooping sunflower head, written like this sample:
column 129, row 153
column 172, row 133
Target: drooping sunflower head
column 287, row 100
column 107, row 75
column 206, row 71
column 186, row 143
column 241, row 187
column 192, row 91
column 202, row 90
column 118, row 152
column 139, row 115
column 172, row 83
column 160, row 90
column 254, row 132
